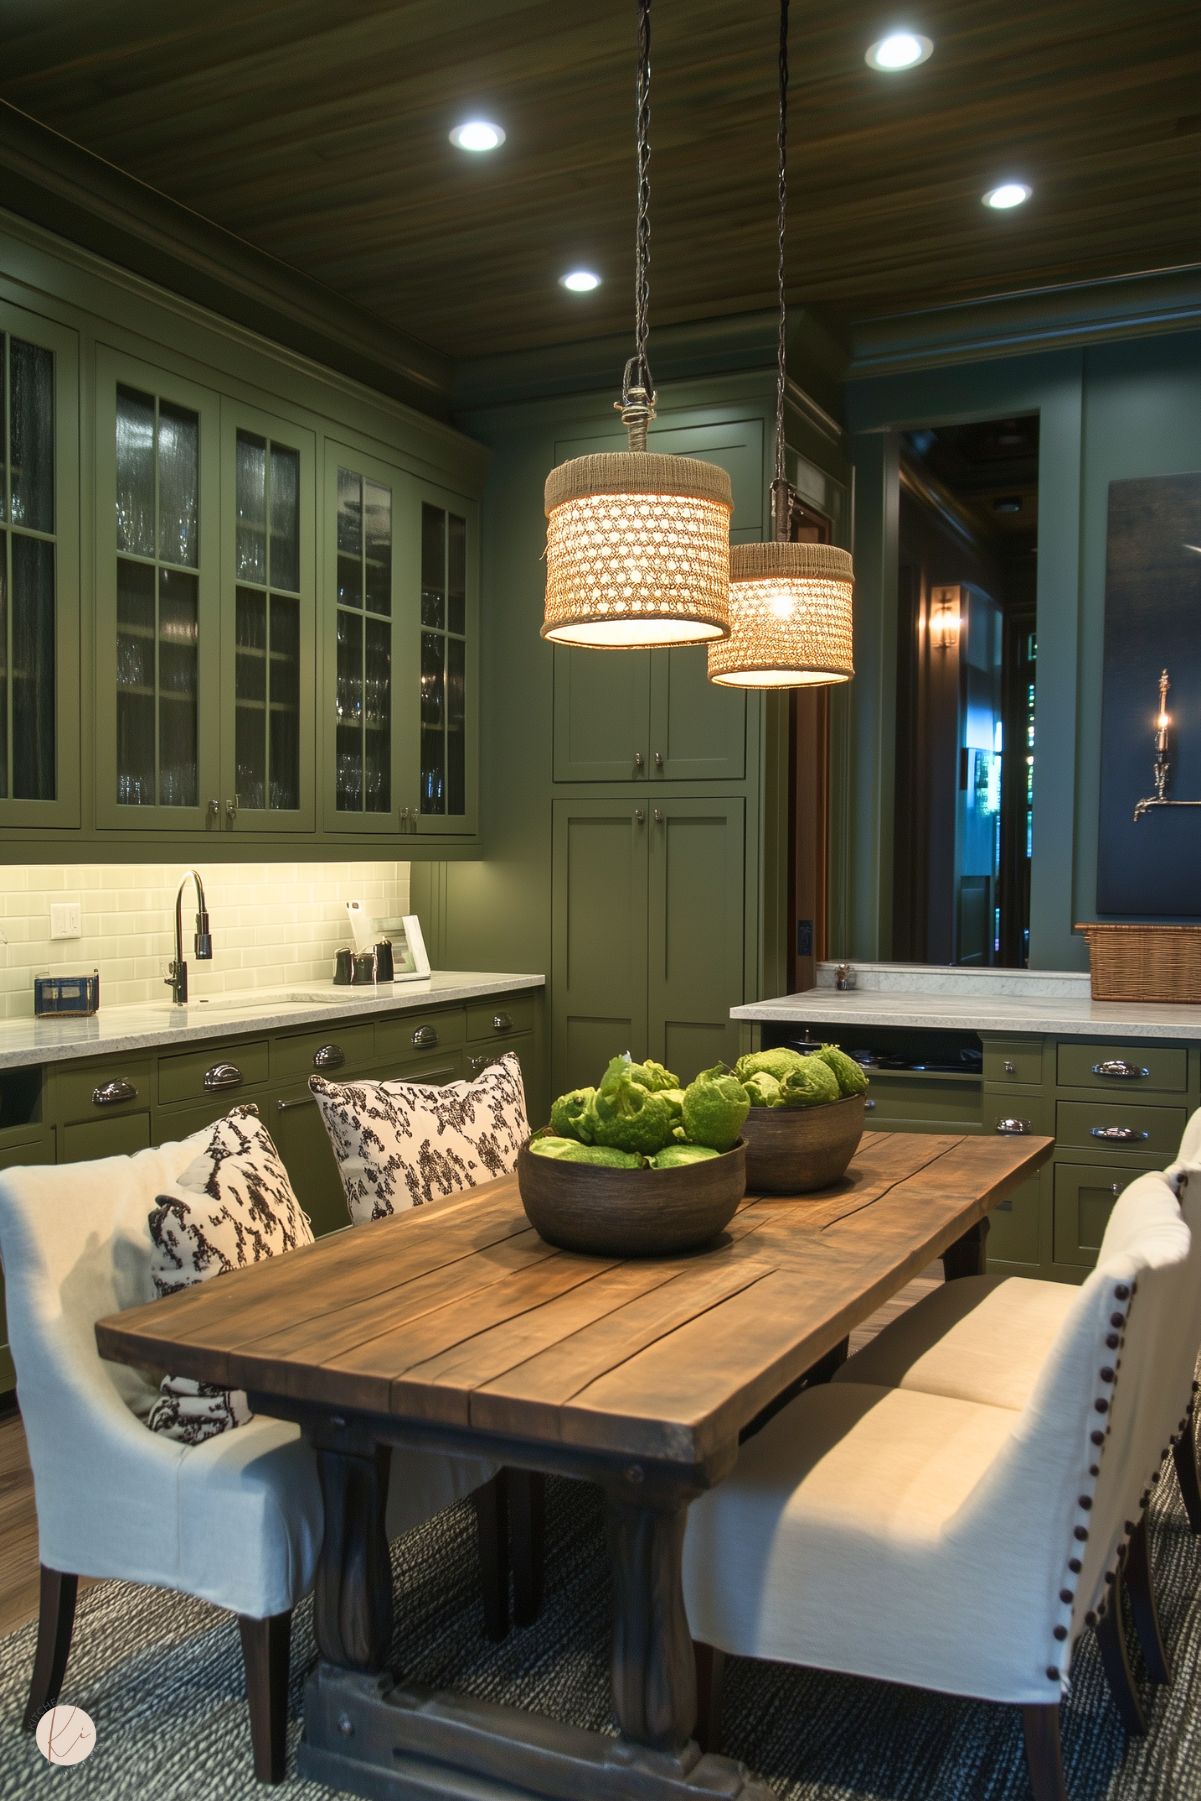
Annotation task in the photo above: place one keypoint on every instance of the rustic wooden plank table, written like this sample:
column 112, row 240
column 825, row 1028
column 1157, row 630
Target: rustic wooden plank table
column 456, row 1328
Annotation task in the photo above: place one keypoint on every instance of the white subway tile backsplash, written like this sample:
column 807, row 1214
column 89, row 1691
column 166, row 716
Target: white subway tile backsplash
column 270, row 923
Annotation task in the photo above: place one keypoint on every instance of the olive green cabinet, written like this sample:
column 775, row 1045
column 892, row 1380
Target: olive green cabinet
column 648, row 931
column 645, row 716
column 39, row 572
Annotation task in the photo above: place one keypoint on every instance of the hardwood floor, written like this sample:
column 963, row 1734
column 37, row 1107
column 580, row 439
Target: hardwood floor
column 18, row 1528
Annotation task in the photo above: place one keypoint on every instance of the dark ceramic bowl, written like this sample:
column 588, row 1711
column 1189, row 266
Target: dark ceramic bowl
column 791, row 1150
column 630, row 1212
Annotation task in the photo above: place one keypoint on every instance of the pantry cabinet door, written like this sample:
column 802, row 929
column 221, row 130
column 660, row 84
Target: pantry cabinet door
column 696, row 918
column 158, row 593
column 39, row 572
column 602, row 714
column 598, row 953
column 439, row 667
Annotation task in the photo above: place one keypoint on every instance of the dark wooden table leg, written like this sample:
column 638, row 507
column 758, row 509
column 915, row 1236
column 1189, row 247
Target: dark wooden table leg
column 352, row 1601
column 966, row 1257
column 654, row 1675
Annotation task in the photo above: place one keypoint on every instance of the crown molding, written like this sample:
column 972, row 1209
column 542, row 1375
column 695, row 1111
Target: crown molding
column 1125, row 306
column 63, row 188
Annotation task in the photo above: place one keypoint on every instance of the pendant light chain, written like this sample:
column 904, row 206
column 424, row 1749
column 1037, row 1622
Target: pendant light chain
column 779, row 486
column 637, row 403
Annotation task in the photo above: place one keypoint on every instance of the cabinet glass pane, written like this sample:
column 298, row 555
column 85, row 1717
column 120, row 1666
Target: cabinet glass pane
column 178, row 643
column 283, row 714
column 28, row 598
column 443, row 661
column 285, row 518
column 251, row 496
column 32, row 433
column 135, row 472
column 363, row 698
column 33, row 671
column 137, row 678
column 178, row 484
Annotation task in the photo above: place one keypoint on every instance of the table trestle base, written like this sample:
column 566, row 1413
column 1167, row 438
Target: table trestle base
column 395, row 1741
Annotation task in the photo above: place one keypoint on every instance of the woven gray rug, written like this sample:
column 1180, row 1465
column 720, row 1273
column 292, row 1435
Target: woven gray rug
column 161, row 1678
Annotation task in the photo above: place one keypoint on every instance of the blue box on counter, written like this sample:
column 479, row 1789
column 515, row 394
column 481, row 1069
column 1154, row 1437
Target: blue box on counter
column 70, row 996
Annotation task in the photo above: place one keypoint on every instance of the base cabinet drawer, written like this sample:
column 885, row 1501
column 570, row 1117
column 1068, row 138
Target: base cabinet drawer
column 1083, row 1201
column 400, row 1040
column 476, row 1059
column 1127, row 1071
column 1017, row 1114
column 1013, row 1061
column 509, row 1014
column 116, row 1137
column 1119, row 1128
column 323, row 1053
column 920, row 1103
column 196, row 1074
column 102, row 1090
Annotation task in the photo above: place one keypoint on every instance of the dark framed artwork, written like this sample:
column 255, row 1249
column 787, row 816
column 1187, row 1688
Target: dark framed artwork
column 1151, row 868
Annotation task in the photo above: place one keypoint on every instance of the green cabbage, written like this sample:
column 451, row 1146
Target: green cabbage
column 763, row 1089
column 674, row 1156
column 850, row 1077
column 812, row 1085
column 779, row 1063
column 715, row 1106
column 572, row 1115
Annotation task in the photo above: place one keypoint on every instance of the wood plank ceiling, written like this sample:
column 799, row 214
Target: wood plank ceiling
column 319, row 134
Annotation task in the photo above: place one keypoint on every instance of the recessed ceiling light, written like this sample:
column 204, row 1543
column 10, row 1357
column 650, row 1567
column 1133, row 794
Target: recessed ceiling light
column 1007, row 194
column 899, row 50
column 477, row 134
column 580, row 281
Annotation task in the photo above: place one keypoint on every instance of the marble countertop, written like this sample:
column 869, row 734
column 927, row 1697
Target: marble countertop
column 117, row 1030
column 1056, row 1002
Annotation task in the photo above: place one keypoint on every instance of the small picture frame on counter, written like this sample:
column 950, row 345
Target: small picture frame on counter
column 409, row 960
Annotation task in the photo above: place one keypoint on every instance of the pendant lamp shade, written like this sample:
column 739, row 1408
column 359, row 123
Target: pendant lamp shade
column 790, row 618
column 637, row 551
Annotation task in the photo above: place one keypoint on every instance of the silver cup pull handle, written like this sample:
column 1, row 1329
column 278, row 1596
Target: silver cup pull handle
column 110, row 1094
column 1119, row 1134
column 329, row 1056
column 1117, row 1069
column 1014, row 1128
column 501, row 1022
column 424, row 1037
column 223, row 1075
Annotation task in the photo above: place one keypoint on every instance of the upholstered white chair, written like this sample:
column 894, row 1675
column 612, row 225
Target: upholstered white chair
column 939, row 1542
column 236, row 1520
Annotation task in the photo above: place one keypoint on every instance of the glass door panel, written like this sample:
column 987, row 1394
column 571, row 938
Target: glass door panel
column 269, row 570
column 157, row 632
column 444, row 664
column 39, row 621
column 360, row 737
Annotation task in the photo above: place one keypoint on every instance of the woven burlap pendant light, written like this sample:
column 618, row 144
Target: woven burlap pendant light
column 790, row 604
column 637, row 545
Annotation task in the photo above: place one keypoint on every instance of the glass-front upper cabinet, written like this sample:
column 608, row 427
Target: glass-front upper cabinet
column 446, row 577
column 158, row 588
column 268, row 632
column 401, row 584
column 39, row 572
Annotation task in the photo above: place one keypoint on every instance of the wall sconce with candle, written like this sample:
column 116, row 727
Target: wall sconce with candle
column 1163, row 762
column 945, row 617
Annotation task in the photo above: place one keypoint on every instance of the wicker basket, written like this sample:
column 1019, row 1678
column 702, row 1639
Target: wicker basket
column 1144, row 962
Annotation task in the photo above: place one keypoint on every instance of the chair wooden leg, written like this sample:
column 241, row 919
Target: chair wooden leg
column 710, row 1673
column 1112, row 1641
column 266, row 1647
column 527, row 1523
column 56, row 1617
column 1044, row 1759
column 1141, row 1589
column 1184, row 1456
column 492, row 1521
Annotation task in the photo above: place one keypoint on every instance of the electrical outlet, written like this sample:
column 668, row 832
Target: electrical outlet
column 66, row 919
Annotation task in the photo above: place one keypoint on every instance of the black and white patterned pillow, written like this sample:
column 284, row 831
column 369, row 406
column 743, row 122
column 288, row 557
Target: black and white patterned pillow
column 399, row 1144
column 233, row 1205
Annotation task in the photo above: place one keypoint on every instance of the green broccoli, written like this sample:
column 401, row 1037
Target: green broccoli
column 628, row 1116
column 673, row 1156
column 715, row 1106
column 813, row 1085
column 763, row 1089
column 572, row 1116
column 779, row 1063
column 848, row 1074
column 570, row 1150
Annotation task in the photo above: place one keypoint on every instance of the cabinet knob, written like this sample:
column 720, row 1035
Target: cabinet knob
column 223, row 1075
column 1119, row 1070
column 231, row 808
column 657, row 816
column 639, row 759
column 639, row 816
column 1013, row 1128
column 1010, row 1067
column 329, row 1056
column 213, row 809
column 110, row 1093
column 424, row 1037
column 1118, row 1134
column 658, row 759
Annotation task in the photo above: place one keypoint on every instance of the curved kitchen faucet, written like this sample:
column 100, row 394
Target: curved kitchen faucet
column 177, row 980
